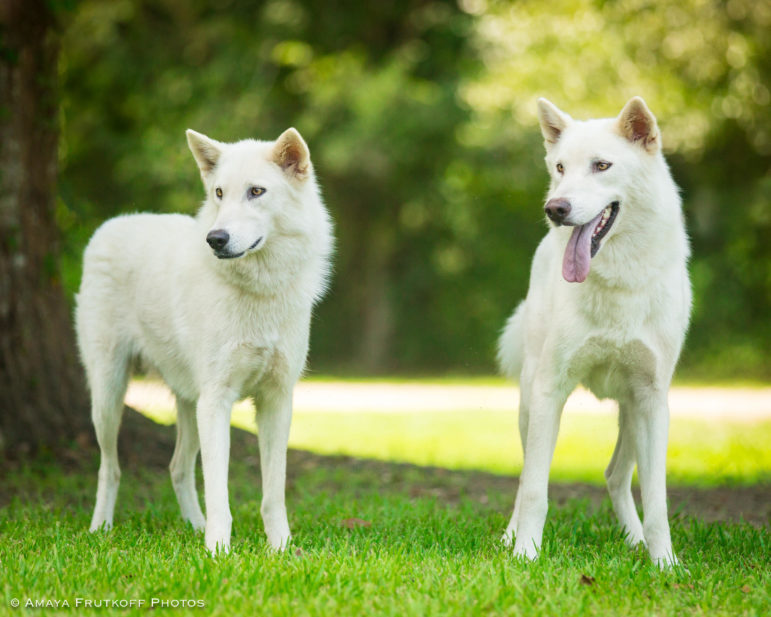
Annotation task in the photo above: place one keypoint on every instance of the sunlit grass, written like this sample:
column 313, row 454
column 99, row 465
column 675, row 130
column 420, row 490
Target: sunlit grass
column 701, row 452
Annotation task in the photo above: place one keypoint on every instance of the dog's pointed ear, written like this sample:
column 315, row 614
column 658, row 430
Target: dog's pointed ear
column 206, row 151
column 553, row 121
column 637, row 124
column 291, row 154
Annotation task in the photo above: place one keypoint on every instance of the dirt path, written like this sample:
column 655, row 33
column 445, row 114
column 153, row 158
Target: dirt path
column 745, row 404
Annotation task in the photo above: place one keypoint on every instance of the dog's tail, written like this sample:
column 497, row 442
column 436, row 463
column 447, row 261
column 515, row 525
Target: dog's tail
column 511, row 345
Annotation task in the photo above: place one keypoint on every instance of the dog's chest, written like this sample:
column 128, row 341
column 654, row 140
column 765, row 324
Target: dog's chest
column 251, row 361
column 614, row 313
column 609, row 368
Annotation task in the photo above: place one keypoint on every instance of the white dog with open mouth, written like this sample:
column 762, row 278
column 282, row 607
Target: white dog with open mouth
column 221, row 306
column 608, row 306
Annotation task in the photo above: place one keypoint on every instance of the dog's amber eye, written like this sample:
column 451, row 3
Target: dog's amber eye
column 560, row 168
column 218, row 193
column 256, row 191
column 602, row 165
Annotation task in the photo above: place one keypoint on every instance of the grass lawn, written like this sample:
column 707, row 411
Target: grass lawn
column 382, row 538
column 428, row 546
column 700, row 452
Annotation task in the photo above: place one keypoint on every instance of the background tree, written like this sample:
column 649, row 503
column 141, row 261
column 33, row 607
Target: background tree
column 42, row 396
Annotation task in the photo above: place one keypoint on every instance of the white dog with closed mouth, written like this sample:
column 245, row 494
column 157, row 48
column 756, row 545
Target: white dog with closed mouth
column 608, row 306
column 221, row 306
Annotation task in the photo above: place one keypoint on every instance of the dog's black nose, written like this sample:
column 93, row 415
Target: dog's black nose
column 217, row 239
column 557, row 209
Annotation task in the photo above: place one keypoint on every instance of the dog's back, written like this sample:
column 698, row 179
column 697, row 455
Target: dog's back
column 133, row 267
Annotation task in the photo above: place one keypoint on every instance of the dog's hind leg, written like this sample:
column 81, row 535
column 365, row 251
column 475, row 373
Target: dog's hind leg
column 649, row 421
column 182, row 465
column 619, row 479
column 108, row 380
column 274, row 416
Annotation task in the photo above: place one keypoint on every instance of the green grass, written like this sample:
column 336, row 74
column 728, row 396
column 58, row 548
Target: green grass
column 701, row 452
column 421, row 555
column 432, row 547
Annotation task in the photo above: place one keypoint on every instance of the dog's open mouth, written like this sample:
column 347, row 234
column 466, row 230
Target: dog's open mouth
column 225, row 255
column 585, row 242
column 607, row 217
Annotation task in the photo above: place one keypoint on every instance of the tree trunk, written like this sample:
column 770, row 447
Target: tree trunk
column 374, row 354
column 43, row 402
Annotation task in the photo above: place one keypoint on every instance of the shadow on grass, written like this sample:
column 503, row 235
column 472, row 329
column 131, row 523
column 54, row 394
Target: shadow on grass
column 146, row 447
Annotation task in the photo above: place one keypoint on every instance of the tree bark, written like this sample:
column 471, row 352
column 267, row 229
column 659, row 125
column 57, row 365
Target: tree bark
column 43, row 401
column 377, row 312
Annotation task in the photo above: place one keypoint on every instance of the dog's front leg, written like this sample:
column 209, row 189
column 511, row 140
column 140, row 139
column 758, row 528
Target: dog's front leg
column 545, row 407
column 213, row 416
column 650, row 422
column 274, row 416
column 523, row 421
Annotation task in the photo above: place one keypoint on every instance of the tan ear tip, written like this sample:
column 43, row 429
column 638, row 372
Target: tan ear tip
column 194, row 137
column 293, row 133
column 638, row 102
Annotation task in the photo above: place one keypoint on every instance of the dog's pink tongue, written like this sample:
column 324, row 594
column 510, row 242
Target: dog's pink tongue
column 578, row 253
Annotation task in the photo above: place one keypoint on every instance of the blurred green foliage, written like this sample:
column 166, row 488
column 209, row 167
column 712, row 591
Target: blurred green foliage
column 420, row 116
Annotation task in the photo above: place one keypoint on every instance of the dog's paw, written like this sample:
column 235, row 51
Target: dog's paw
column 199, row 524
column 634, row 539
column 525, row 550
column 279, row 542
column 507, row 539
column 669, row 562
column 101, row 525
column 217, row 537
column 276, row 528
column 220, row 547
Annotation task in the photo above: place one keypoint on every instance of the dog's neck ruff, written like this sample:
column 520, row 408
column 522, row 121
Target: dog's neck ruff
column 269, row 272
